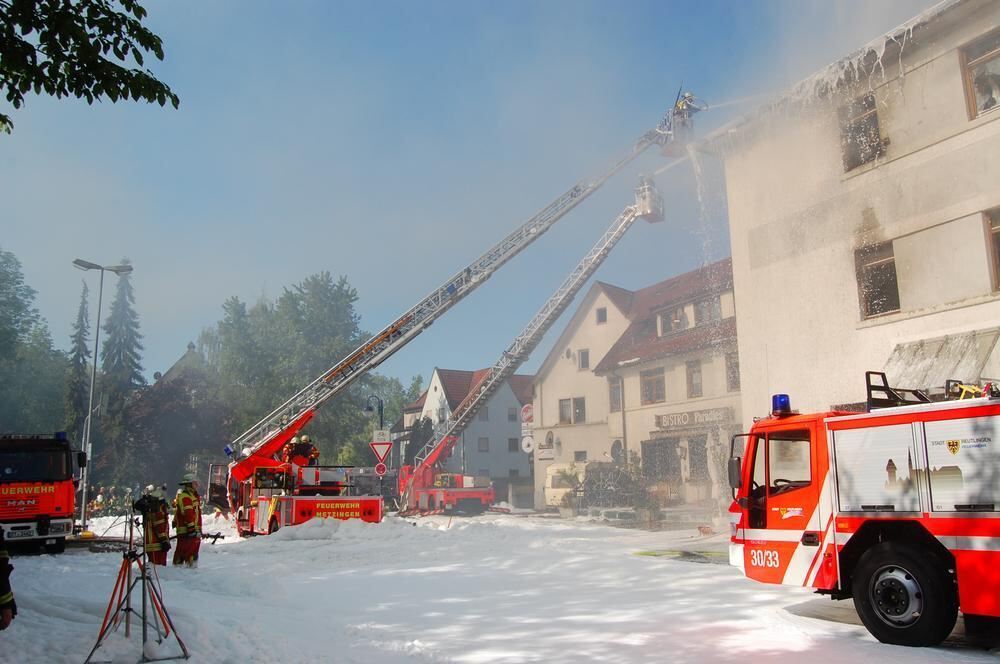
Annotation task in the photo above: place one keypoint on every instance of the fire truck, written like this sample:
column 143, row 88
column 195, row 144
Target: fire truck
column 895, row 507
column 261, row 445
column 425, row 488
column 38, row 488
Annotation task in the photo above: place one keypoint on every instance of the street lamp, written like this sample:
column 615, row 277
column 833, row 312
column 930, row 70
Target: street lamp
column 370, row 410
column 119, row 270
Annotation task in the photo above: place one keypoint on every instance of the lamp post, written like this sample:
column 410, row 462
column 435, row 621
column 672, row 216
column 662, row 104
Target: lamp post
column 84, row 476
column 370, row 410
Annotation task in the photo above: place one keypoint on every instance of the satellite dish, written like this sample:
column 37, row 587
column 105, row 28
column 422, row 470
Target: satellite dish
column 527, row 444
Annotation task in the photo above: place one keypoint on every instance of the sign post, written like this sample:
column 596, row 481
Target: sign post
column 381, row 446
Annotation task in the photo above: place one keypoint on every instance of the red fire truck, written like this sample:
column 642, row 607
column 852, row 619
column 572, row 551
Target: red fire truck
column 895, row 507
column 426, row 489
column 38, row 489
column 269, row 492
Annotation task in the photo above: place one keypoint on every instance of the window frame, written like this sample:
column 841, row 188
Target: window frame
column 583, row 359
column 579, row 410
column 652, row 376
column 707, row 310
column 864, row 266
column 512, row 412
column 579, row 456
column 568, row 404
column 689, row 370
column 601, row 316
column 991, row 224
column 968, row 81
column 615, row 388
column 513, row 445
column 851, row 120
column 480, row 445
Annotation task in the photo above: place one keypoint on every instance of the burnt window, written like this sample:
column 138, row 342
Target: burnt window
column 733, row 371
column 615, row 395
column 565, row 411
column 694, row 378
column 993, row 219
column 602, row 315
column 982, row 74
column 877, row 285
column 860, row 139
column 652, row 386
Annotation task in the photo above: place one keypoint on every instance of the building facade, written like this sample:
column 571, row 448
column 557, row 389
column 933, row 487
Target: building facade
column 662, row 387
column 864, row 212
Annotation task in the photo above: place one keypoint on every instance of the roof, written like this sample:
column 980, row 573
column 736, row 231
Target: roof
column 457, row 384
column 416, row 405
column 640, row 339
column 191, row 361
column 620, row 297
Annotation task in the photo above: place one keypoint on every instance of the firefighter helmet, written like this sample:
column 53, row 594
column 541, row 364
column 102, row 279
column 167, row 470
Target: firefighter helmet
column 188, row 478
column 306, row 439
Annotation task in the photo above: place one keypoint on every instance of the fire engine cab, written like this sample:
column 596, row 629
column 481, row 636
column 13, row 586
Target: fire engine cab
column 895, row 507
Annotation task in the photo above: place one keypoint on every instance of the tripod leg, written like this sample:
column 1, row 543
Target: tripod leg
column 117, row 601
column 157, row 601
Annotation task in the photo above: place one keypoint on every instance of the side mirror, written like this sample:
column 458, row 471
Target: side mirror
column 81, row 459
column 735, row 475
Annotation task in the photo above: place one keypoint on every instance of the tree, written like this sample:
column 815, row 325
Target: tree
column 83, row 49
column 32, row 370
column 78, row 381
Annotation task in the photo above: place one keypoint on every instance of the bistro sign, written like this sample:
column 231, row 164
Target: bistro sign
column 690, row 418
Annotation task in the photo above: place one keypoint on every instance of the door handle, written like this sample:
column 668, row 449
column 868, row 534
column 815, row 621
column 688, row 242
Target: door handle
column 810, row 539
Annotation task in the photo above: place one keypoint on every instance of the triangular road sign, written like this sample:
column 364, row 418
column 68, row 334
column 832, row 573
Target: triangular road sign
column 381, row 450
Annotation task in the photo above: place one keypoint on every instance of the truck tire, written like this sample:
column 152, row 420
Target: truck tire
column 904, row 597
column 58, row 547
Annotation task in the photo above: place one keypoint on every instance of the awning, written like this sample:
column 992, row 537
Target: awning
column 970, row 357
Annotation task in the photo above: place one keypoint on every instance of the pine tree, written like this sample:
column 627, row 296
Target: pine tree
column 78, row 381
column 120, row 352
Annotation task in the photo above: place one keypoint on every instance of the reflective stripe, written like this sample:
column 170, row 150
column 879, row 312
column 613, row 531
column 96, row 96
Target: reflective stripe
column 6, row 599
column 971, row 543
column 775, row 535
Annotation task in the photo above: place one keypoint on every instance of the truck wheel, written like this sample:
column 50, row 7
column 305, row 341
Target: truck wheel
column 903, row 597
column 58, row 547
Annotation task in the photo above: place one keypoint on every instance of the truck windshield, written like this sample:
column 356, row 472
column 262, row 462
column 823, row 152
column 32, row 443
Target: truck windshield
column 33, row 462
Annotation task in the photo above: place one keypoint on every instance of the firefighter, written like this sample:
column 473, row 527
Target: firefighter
column 8, row 609
column 681, row 114
column 156, row 528
column 187, row 522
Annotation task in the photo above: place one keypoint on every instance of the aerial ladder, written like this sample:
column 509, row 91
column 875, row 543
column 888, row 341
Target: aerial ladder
column 261, row 445
column 420, row 489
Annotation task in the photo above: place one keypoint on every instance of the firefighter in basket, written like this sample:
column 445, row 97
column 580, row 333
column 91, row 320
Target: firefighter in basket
column 155, row 524
column 187, row 522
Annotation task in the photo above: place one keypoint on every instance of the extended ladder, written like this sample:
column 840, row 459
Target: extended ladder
column 267, row 436
column 648, row 205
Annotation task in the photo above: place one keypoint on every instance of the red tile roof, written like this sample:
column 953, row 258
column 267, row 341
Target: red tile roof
column 640, row 340
column 416, row 405
column 457, row 384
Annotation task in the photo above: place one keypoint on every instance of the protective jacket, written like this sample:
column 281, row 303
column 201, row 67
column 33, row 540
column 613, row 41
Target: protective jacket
column 187, row 512
column 6, row 594
column 157, row 530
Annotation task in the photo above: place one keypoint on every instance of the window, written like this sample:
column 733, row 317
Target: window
column 565, row 411
column 994, row 219
column 484, row 414
column 513, row 445
column 982, row 75
column 441, row 414
column 602, row 315
column 579, row 410
column 615, row 395
column 877, row 285
column 484, row 444
column 694, row 378
column 513, row 472
column 733, row 371
column 860, row 139
column 673, row 321
column 788, row 462
column 583, row 356
column 512, row 414
column 652, row 386
column 707, row 311
column 580, row 456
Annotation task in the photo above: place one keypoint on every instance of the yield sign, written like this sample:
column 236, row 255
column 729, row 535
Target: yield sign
column 381, row 450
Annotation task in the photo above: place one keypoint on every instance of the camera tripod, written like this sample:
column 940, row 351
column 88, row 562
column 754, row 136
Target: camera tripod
column 120, row 605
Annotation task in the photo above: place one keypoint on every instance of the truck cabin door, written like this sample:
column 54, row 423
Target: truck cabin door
column 783, row 534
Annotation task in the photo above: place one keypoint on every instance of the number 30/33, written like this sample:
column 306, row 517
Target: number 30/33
column 764, row 558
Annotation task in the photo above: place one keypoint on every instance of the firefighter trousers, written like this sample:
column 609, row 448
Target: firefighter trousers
column 186, row 552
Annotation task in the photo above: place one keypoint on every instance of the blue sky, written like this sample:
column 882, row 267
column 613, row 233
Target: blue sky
column 394, row 143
